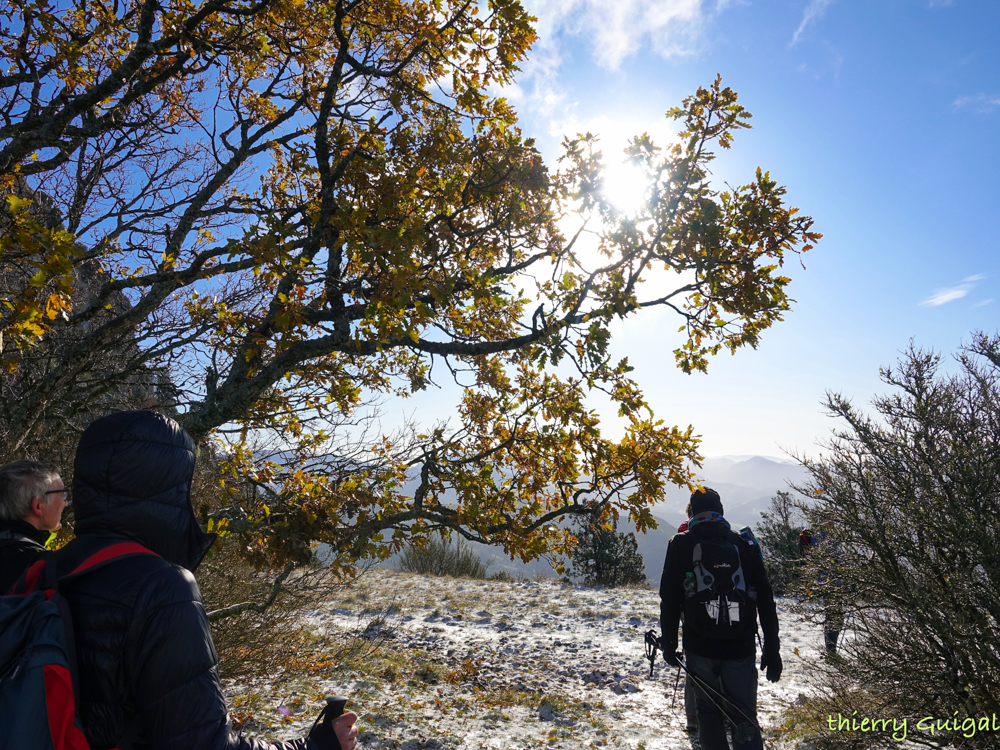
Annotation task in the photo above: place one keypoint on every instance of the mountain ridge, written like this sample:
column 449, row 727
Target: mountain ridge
column 745, row 486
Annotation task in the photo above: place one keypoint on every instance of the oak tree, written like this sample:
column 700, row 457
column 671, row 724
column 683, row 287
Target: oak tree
column 265, row 216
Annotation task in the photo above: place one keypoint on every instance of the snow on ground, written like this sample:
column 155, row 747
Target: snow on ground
column 491, row 665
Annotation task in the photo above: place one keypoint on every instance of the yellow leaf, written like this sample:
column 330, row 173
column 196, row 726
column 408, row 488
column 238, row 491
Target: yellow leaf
column 17, row 204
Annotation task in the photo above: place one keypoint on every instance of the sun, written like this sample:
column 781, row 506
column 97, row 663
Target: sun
column 626, row 186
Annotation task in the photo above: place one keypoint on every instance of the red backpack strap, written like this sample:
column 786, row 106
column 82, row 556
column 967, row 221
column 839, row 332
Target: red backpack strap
column 106, row 555
column 29, row 580
column 40, row 575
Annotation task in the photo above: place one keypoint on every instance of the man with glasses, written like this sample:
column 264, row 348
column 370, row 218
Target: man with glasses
column 32, row 500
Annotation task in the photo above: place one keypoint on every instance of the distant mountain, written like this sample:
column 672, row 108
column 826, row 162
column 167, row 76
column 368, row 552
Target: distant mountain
column 652, row 546
column 745, row 484
column 775, row 459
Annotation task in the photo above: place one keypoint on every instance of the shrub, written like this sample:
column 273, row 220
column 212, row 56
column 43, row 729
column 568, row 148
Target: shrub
column 910, row 501
column 605, row 557
column 778, row 534
column 438, row 557
column 263, row 634
column 250, row 642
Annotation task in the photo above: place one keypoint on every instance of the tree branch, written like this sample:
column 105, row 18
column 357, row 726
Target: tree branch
column 221, row 614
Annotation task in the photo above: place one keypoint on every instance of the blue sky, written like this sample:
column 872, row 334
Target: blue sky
column 880, row 117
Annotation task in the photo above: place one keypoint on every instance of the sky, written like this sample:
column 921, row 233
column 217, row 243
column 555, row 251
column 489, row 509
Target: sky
column 879, row 116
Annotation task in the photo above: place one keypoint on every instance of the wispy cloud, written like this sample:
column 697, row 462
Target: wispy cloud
column 943, row 296
column 952, row 293
column 813, row 11
column 610, row 32
column 979, row 102
column 617, row 29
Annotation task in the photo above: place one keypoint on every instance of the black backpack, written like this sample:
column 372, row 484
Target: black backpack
column 747, row 535
column 38, row 680
column 717, row 602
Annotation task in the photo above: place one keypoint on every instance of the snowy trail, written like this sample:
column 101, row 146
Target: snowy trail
column 515, row 665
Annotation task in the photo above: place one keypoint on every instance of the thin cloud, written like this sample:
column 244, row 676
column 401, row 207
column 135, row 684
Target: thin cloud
column 612, row 31
column 943, row 296
column 984, row 303
column 617, row 29
column 813, row 11
column 979, row 102
column 952, row 293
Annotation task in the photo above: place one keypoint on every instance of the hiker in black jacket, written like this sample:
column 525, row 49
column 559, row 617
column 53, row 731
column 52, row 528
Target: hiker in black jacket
column 719, row 629
column 32, row 499
column 147, row 664
column 813, row 542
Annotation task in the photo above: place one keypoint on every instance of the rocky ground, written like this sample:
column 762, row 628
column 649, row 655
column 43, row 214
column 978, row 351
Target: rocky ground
column 456, row 664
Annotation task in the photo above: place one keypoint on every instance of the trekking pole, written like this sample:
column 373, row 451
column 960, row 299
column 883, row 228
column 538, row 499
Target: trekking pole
column 673, row 698
column 709, row 691
column 336, row 705
column 324, row 722
column 652, row 644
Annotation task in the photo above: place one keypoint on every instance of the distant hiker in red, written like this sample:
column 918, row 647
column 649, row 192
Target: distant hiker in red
column 32, row 500
column 716, row 579
column 147, row 665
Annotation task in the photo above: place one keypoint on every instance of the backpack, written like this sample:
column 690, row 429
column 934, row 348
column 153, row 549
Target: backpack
column 747, row 533
column 38, row 675
column 717, row 603
column 12, row 538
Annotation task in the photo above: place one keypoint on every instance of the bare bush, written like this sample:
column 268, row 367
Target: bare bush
column 440, row 558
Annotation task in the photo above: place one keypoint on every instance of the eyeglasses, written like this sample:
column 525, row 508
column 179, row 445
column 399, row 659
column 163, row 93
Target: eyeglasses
column 64, row 492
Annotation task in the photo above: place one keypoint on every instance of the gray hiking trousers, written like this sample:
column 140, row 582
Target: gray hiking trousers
column 737, row 681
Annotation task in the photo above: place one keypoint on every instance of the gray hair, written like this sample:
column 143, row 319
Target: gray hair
column 19, row 482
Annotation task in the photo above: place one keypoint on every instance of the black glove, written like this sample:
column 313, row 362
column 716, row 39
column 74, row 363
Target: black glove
column 673, row 658
column 322, row 736
column 770, row 661
column 670, row 652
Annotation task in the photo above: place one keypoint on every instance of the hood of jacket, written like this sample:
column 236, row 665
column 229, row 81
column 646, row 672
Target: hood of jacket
column 132, row 478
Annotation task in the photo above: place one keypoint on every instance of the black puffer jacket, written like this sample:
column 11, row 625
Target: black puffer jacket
column 680, row 552
column 144, row 648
